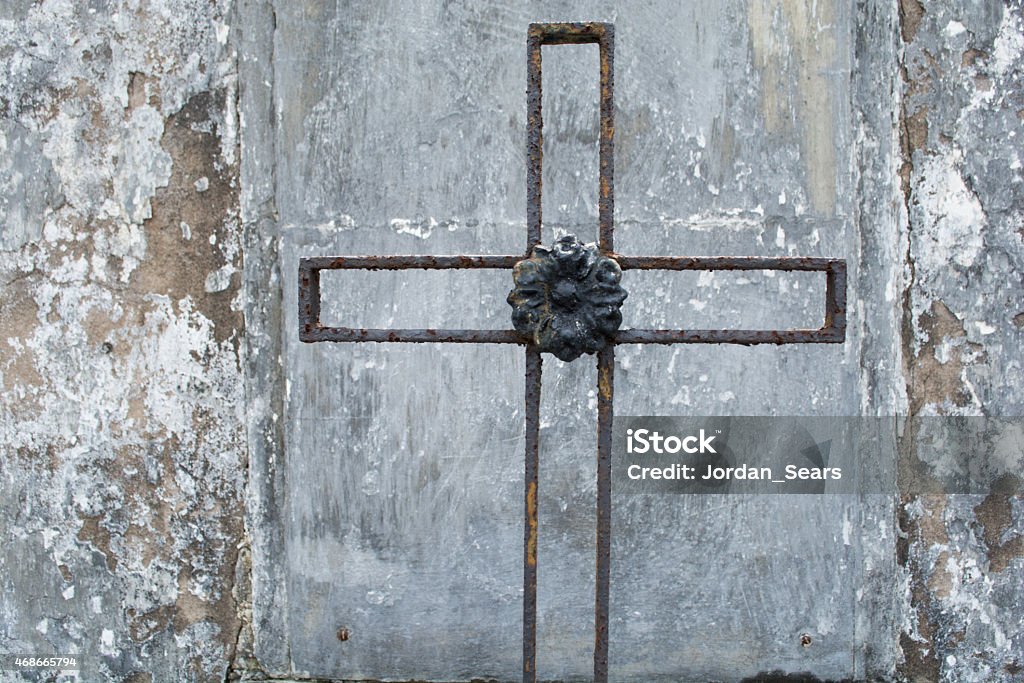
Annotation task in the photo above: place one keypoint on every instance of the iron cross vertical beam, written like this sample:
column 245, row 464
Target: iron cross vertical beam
column 553, row 286
column 570, row 34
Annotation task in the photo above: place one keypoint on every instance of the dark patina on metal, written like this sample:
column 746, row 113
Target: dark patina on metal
column 567, row 298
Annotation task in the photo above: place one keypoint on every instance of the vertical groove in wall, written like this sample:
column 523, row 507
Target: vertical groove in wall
column 255, row 36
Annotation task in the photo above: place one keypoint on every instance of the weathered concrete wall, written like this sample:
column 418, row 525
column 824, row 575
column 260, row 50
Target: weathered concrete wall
column 122, row 438
column 962, row 125
column 146, row 146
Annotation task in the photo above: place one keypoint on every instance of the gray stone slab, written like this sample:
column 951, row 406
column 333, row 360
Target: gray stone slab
column 401, row 129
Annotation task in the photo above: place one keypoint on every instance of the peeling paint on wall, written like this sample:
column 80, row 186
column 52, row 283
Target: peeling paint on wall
column 122, row 429
column 961, row 125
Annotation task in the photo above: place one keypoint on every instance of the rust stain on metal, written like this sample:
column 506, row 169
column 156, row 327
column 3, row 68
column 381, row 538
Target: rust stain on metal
column 783, row 263
column 531, row 512
column 424, row 262
column 531, row 464
column 534, row 137
column 602, row 587
column 832, row 331
column 825, row 335
column 604, row 382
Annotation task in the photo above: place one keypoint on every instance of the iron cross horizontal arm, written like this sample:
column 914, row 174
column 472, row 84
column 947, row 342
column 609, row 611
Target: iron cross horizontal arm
column 566, row 302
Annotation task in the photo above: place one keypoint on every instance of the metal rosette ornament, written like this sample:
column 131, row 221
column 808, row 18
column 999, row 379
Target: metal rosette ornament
column 567, row 298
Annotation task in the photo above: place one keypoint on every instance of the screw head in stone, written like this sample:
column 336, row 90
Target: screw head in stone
column 567, row 298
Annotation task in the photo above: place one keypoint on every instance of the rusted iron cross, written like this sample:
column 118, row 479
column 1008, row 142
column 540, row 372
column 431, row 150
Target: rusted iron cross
column 566, row 302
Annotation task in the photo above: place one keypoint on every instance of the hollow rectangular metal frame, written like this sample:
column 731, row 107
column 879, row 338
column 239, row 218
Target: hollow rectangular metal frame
column 833, row 331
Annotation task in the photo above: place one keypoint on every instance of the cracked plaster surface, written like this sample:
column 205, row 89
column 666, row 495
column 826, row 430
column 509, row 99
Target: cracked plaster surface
column 962, row 120
column 122, row 394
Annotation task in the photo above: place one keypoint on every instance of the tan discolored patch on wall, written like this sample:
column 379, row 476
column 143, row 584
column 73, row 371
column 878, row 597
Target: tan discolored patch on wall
column 923, row 528
column 142, row 89
column 913, row 138
column 794, row 52
column 995, row 515
column 911, row 13
column 936, row 370
column 18, row 317
column 103, row 327
column 95, row 534
column 190, row 248
column 940, row 583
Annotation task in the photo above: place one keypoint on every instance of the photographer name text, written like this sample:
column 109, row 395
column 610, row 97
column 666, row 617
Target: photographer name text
column 644, row 441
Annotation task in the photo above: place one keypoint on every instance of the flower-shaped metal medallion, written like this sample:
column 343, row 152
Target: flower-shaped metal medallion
column 567, row 298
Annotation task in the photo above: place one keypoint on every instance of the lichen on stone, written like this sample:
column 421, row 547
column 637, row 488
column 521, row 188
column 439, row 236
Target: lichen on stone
column 567, row 297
